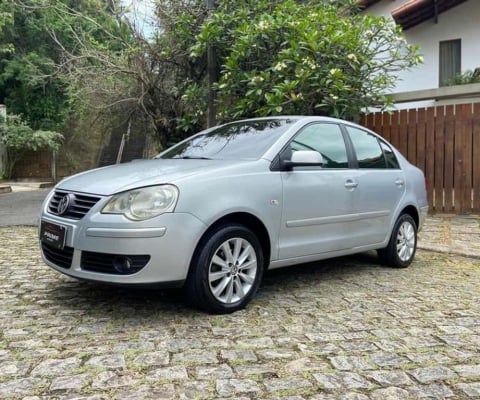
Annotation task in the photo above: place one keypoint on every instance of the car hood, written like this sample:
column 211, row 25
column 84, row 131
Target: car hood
column 139, row 173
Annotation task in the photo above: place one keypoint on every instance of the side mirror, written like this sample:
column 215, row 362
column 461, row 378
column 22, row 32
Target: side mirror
column 304, row 158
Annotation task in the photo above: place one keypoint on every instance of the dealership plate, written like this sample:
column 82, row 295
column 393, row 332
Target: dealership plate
column 52, row 234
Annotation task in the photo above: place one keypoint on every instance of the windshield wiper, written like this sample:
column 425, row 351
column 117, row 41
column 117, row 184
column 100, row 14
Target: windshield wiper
column 191, row 158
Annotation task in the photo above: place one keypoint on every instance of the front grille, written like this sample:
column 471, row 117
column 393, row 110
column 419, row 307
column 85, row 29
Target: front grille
column 118, row 264
column 80, row 204
column 61, row 257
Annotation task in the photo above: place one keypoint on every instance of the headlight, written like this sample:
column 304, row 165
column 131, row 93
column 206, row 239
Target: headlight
column 143, row 203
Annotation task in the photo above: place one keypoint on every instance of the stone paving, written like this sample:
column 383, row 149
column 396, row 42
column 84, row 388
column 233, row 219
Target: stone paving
column 341, row 329
column 452, row 234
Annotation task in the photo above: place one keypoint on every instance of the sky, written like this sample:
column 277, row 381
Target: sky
column 141, row 14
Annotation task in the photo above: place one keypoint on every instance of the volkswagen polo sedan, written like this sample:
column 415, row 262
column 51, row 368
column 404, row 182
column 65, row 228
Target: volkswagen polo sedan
column 213, row 212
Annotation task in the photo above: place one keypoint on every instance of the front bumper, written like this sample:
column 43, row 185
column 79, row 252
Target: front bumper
column 168, row 240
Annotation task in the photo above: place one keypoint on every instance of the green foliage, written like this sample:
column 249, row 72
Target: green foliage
column 16, row 134
column 39, row 41
column 288, row 58
column 19, row 138
column 6, row 19
column 465, row 78
column 28, row 60
column 272, row 57
column 35, row 36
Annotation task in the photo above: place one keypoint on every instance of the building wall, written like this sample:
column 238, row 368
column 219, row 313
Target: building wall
column 460, row 22
column 3, row 115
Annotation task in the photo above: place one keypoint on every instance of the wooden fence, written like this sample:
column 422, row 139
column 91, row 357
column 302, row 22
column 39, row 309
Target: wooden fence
column 444, row 141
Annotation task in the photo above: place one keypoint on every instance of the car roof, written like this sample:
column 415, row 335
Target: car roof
column 303, row 118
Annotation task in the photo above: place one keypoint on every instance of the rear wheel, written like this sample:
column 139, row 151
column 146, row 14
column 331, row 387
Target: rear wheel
column 226, row 270
column 402, row 245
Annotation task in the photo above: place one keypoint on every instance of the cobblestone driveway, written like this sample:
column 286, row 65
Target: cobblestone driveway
column 345, row 329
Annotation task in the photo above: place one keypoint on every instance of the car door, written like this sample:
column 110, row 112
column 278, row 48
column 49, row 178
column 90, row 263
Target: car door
column 380, row 186
column 317, row 201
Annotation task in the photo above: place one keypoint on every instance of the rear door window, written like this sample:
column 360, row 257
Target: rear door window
column 368, row 150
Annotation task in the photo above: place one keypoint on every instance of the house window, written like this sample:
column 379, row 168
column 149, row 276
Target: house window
column 450, row 60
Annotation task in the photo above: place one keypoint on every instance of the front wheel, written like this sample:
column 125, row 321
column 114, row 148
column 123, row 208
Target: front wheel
column 226, row 270
column 402, row 245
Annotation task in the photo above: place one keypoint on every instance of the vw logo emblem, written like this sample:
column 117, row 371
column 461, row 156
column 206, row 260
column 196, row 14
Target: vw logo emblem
column 64, row 204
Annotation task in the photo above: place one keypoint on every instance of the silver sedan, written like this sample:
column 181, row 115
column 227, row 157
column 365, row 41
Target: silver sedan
column 213, row 212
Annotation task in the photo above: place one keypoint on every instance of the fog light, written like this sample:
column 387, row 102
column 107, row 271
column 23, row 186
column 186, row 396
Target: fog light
column 122, row 264
column 118, row 264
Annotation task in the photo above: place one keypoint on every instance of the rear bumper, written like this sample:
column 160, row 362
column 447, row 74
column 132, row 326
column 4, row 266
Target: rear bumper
column 422, row 217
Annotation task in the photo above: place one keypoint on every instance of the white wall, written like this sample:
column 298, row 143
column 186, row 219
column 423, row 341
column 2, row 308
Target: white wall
column 3, row 115
column 460, row 22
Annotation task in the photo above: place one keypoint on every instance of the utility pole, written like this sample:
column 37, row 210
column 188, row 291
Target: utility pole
column 211, row 74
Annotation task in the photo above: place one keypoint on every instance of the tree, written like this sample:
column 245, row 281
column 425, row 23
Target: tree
column 122, row 72
column 35, row 38
column 319, row 57
column 28, row 56
column 273, row 57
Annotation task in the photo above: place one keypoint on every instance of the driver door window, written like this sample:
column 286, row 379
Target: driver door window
column 327, row 139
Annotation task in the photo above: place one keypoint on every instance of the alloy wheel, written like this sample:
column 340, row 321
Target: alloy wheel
column 406, row 241
column 232, row 270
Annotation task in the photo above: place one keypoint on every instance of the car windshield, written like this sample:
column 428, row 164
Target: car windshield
column 246, row 140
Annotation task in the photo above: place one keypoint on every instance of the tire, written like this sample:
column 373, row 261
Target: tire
column 226, row 270
column 402, row 246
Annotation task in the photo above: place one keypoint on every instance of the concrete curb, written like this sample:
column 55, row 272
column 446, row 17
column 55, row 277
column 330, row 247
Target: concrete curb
column 36, row 185
column 5, row 189
column 21, row 186
column 443, row 250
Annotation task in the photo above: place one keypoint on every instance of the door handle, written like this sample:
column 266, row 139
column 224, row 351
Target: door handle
column 399, row 182
column 351, row 184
